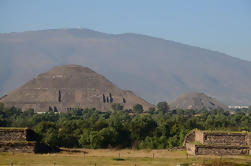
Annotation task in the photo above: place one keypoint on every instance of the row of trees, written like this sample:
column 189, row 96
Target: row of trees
column 154, row 129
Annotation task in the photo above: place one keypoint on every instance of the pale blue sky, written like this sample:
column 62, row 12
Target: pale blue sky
column 222, row 25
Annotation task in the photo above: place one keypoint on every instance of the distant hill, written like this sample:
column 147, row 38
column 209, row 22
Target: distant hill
column 70, row 87
column 196, row 101
column 153, row 68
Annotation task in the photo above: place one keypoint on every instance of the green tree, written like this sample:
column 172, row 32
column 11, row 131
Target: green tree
column 51, row 138
column 151, row 110
column 109, row 136
column 96, row 140
column 84, row 140
column 163, row 107
column 47, row 132
column 142, row 126
column 137, row 108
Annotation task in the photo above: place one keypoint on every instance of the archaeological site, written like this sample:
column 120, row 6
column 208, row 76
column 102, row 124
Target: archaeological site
column 218, row 143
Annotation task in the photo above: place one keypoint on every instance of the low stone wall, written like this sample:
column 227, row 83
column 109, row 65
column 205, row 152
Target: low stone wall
column 225, row 138
column 16, row 134
column 24, row 147
column 17, row 140
column 221, row 150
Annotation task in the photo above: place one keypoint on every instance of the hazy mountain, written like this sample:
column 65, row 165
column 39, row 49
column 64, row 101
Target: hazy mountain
column 153, row 68
column 196, row 101
column 69, row 87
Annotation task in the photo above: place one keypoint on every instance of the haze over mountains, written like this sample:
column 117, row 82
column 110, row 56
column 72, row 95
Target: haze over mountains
column 153, row 68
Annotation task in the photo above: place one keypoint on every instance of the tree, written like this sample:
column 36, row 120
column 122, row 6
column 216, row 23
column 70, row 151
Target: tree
column 96, row 140
column 142, row 126
column 109, row 136
column 151, row 110
column 51, row 138
column 137, row 108
column 84, row 140
column 68, row 135
column 47, row 133
column 163, row 106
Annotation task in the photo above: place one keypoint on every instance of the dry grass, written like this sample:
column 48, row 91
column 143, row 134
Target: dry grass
column 110, row 157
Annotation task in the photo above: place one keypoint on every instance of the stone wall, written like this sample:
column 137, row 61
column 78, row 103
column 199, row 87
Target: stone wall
column 16, row 134
column 24, row 147
column 17, row 140
column 221, row 150
column 225, row 138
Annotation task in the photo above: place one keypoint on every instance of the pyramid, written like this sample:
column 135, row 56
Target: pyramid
column 196, row 101
column 70, row 87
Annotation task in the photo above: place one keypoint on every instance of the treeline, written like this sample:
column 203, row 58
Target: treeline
column 153, row 129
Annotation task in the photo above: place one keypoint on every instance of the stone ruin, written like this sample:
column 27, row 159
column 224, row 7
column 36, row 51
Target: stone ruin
column 17, row 140
column 218, row 143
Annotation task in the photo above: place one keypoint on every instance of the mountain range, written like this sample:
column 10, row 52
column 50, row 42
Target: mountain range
column 155, row 69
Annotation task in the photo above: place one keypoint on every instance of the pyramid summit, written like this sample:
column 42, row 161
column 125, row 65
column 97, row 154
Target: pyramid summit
column 69, row 87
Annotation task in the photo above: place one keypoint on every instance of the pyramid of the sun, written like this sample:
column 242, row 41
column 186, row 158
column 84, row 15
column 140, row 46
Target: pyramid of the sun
column 70, row 87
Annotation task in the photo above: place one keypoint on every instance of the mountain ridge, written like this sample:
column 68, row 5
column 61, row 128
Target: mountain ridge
column 124, row 34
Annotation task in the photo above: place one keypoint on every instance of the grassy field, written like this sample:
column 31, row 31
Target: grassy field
column 119, row 158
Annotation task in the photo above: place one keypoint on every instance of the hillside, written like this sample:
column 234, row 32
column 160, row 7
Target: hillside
column 153, row 68
column 70, row 87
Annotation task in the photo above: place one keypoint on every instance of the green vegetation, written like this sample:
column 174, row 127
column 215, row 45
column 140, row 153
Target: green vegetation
column 154, row 129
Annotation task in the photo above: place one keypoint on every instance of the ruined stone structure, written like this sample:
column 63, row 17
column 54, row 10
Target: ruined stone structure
column 17, row 140
column 70, row 87
column 218, row 143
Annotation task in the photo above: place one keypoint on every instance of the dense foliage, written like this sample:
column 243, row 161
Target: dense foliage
column 89, row 128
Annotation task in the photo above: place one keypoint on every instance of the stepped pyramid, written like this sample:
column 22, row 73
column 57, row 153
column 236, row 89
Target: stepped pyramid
column 196, row 101
column 70, row 87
